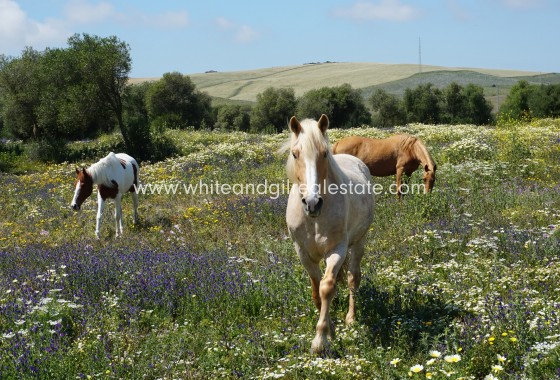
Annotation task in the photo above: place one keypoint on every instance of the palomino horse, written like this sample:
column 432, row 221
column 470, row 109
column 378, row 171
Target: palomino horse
column 393, row 155
column 330, row 209
column 114, row 175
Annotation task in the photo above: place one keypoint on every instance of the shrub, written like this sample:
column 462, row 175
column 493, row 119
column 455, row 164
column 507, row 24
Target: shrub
column 422, row 104
column 273, row 109
column 233, row 117
column 343, row 105
column 47, row 150
column 174, row 102
column 388, row 109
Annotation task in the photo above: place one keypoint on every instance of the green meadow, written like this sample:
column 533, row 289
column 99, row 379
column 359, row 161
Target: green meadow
column 462, row 283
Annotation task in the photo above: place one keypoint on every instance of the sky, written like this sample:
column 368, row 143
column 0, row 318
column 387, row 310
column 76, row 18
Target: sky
column 194, row 36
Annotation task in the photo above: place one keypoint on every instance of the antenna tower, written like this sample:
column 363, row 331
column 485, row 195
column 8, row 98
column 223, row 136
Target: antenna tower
column 419, row 55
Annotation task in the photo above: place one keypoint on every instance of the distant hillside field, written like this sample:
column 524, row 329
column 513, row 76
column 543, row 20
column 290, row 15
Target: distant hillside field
column 245, row 85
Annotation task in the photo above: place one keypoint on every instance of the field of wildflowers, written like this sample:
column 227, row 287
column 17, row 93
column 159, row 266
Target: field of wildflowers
column 460, row 284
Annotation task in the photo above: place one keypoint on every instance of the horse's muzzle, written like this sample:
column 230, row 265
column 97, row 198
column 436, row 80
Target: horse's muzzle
column 75, row 207
column 312, row 206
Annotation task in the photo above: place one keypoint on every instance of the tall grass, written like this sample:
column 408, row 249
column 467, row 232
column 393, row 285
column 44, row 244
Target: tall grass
column 462, row 283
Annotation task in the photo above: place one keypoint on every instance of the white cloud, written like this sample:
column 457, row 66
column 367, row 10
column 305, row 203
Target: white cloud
column 82, row 12
column 246, row 34
column 12, row 17
column 18, row 30
column 169, row 20
column 242, row 34
column 223, row 23
column 458, row 11
column 521, row 4
column 388, row 10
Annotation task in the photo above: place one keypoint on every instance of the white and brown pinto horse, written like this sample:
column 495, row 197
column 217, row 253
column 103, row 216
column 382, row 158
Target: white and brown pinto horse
column 394, row 155
column 114, row 175
column 330, row 209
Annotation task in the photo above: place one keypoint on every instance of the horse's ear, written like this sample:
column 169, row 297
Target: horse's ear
column 295, row 126
column 323, row 123
column 77, row 170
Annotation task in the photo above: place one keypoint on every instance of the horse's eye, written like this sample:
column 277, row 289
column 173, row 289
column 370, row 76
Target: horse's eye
column 294, row 155
column 326, row 154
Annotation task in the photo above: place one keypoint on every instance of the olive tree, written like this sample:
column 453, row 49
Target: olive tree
column 273, row 109
column 174, row 102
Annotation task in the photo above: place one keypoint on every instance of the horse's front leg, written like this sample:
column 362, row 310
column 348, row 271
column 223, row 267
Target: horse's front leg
column 327, row 290
column 135, row 207
column 100, row 207
column 400, row 171
column 314, row 272
column 118, row 215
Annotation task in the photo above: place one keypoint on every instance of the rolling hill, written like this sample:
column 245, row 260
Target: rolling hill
column 245, row 85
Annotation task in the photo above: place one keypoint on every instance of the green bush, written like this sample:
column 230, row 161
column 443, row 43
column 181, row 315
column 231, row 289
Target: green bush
column 174, row 102
column 44, row 150
column 233, row 117
column 343, row 105
column 526, row 101
column 388, row 109
column 273, row 109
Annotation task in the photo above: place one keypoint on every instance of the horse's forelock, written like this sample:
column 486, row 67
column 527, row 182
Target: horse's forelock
column 312, row 141
column 82, row 175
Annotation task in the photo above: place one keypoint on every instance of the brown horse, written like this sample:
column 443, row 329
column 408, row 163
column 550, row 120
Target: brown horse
column 393, row 155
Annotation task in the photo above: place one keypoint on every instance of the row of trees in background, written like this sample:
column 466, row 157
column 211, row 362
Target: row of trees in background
column 80, row 92
column 454, row 104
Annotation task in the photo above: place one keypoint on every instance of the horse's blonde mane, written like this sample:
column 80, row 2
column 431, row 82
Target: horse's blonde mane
column 100, row 171
column 310, row 142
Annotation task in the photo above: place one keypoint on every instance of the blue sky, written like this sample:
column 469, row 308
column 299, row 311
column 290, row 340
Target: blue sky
column 230, row 35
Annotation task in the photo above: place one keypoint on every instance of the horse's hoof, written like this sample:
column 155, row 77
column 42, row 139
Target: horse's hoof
column 319, row 345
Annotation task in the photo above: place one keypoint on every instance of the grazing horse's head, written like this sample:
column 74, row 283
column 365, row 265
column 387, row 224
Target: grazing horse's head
column 308, row 163
column 84, row 188
column 429, row 177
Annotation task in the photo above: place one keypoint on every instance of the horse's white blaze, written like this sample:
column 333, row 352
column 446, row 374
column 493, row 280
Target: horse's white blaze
column 312, row 185
column 75, row 199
